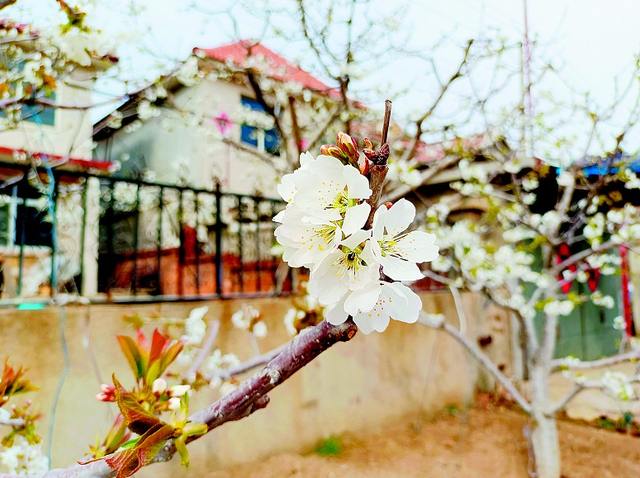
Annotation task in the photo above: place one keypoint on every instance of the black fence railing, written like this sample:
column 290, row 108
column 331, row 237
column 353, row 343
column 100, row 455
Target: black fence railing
column 115, row 239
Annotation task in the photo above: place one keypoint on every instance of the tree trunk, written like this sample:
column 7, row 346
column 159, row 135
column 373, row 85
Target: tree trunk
column 544, row 435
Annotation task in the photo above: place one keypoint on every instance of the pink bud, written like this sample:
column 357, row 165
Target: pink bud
column 364, row 167
column 333, row 151
column 349, row 146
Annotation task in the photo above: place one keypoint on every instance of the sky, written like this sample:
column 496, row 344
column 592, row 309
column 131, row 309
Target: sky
column 590, row 42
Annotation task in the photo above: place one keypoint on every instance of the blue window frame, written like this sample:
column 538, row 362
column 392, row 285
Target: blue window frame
column 267, row 140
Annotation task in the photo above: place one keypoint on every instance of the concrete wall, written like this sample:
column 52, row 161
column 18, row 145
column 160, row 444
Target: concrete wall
column 363, row 384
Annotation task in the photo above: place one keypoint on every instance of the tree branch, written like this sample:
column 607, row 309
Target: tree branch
column 579, row 387
column 244, row 400
column 561, row 364
column 6, row 3
column 202, row 355
column 480, row 357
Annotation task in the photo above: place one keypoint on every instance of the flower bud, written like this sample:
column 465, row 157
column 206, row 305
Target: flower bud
column 367, row 144
column 348, row 146
column 159, row 386
column 364, row 166
column 174, row 404
column 179, row 390
column 107, row 394
column 333, row 151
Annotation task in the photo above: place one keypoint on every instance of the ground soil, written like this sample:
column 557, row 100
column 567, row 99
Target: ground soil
column 480, row 443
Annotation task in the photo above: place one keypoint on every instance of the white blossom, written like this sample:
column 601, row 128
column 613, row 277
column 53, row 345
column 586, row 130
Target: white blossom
column 373, row 306
column 396, row 250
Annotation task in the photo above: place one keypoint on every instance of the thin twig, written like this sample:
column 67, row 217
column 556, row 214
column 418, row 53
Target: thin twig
column 480, row 357
column 205, row 350
column 560, row 364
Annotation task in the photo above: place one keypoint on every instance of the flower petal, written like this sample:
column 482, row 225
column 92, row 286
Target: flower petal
column 417, row 246
column 357, row 184
column 400, row 216
column 335, row 314
column 364, row 323
column 355, row 218
column 399, row 269
column 362, row 300
column 411, row 303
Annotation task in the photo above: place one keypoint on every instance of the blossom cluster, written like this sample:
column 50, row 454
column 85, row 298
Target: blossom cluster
column 325, row 228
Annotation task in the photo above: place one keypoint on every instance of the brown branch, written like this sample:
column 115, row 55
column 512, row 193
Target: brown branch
column 247, row 398
column 6, row 3
column 379, row 166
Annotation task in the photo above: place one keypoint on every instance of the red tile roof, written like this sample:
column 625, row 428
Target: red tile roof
column 59, row 160
column 282, row 69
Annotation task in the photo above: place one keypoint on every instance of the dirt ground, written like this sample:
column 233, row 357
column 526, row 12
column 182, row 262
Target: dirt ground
column 476, row 444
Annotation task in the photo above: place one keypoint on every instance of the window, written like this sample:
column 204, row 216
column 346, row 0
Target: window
column 41, row 115
column 22, row 220
column 265, row 140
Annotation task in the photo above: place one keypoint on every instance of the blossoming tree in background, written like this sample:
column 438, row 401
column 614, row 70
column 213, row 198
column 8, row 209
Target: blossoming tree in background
column 543, row 228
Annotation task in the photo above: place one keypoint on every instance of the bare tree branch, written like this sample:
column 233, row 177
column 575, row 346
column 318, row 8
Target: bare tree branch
column 480, row 357
column 205, row 350
column 561, row 364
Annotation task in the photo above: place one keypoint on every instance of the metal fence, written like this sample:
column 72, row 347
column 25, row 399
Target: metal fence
column 118, row 240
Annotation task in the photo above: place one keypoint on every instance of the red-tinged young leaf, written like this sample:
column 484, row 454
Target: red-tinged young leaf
column 137, row 357
column 159, row 345
column 138, row 419
column 170, row 355
column 142, row 340
column 127, row 462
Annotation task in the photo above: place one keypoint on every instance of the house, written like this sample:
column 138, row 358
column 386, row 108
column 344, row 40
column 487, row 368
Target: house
column 59, row 141
column 219, row 128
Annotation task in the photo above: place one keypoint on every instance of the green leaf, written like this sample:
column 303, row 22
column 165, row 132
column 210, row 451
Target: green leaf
column 181, row 447
column 135, row 356
column 194, row 429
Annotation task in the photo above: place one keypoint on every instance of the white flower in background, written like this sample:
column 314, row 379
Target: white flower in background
column 559, row 307
column 374, row 306
column 396, row 250
column 195, row 326
column 23, row 459
column 616, row 384
column 606, row 301
column 159, row 386
column 351, row 267
column 218, row 362
column 259, row 330
column 290, row 321
column 174, row 404
column 243, row 318
column 565, row 179
column 619, row 323
column 179, row 390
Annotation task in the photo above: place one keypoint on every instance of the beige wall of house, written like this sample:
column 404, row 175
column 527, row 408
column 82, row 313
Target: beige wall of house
column 71, row 133
column 361, row 385
column 170, row 138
